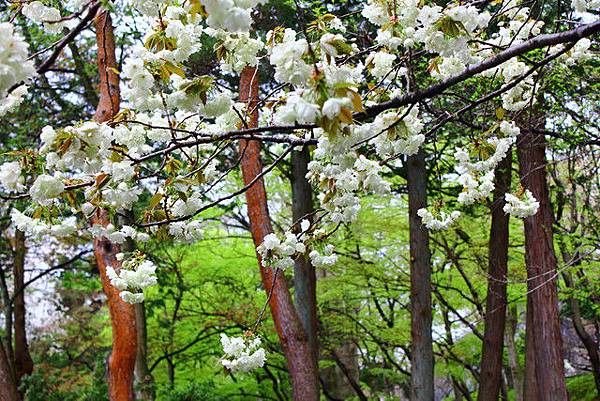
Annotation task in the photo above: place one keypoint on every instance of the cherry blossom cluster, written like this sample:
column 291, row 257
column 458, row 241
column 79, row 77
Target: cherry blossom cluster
column 522, row 204
column 476, row 175
column 15, row 68
column 42, row 14
column 242, row 354
column 132, row 277
column 280, row 254
column 442, row 222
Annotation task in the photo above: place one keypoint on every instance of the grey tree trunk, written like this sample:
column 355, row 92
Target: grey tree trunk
column 144, row 384
column 420, row 284
column 305, row 280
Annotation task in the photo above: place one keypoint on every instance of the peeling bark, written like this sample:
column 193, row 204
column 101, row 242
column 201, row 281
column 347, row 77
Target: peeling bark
column 293, row 339
column 121, row 362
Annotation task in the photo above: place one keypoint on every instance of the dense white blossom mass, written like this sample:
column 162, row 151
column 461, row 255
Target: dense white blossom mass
column 182, row 119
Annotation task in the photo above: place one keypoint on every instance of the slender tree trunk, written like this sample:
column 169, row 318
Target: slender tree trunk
column 543, row 339
column 8, row 385
column 23, row 361
column 121, row 362
column 420, row 284
column 305, row 279
column 8, row 321
column 495, row 315
column 144, row 383
column 513, row 355
column 293, row 339
column 171, row 372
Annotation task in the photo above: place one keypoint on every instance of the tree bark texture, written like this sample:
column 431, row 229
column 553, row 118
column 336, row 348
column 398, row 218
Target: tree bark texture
column 544, row 378
column 8, row 386
column 121, row 363
column 495, row 315
column 305, row 279
column 420, row 284
column 293, row 339
column 144, row 383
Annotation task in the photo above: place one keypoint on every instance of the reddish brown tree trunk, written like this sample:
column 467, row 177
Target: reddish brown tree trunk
column 109, row 94
column 8, row 386
column 293, row 339
column 121, row 363
column 495, row 315
column 544, row 377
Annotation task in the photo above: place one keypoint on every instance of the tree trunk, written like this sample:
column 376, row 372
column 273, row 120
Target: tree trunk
column 305, row 280
column 109, row 94
column 121, row 362
column 8, row 322
column 23, row 361
column 420, row 284
column 293, row 339
column 335, row 382
column 144, row 383
column 350, row 376
column 495, row 315
column 8, row 385
column 544, row 365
